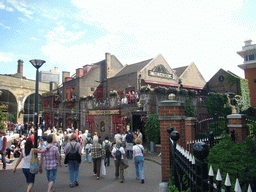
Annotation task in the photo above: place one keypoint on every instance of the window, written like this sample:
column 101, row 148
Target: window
column 92, row 88
column 251, row 57
column 246, row 58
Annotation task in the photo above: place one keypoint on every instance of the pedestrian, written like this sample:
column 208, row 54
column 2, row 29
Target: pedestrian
column 107, row 145
column 73, row 150
column 26, row 154
column 39, row 134
column 97, row 153
column 88, row 156
column 138, row 159
column 32, row 137
column 50, row 159
column 140, row 136
column 3, row 143
column 119, row 154
column 118, row 136
column 129, row 144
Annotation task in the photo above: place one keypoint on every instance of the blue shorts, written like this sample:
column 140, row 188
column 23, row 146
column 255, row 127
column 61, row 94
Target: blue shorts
column 30, row 178
column 51, row 174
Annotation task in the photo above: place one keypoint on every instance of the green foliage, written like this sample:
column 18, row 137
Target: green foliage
column 190, row 109
column 236, row 159
column 11, row 117
column 171, row 183
column 152, row 128
column 217, row 104
column 2, row 119
column 245, row 93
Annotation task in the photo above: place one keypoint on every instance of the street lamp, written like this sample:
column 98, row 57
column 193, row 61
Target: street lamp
column 37, row 64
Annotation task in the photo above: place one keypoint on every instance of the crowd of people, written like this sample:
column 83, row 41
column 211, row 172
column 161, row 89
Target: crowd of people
column 73, row 144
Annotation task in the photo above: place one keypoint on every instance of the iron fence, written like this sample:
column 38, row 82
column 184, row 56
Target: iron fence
column 194, row 168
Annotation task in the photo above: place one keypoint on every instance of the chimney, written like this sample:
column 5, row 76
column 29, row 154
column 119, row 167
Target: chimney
column 20, row 68
column 108, row 64
column 64, row 75
column 248, row 42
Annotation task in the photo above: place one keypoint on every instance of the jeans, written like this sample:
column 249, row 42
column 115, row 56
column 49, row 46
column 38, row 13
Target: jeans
column 87, row 156
column 30, row 178
column 139, row 162
column 51, row 174
column 128, row 154
column 73, row 170
column 3, row 159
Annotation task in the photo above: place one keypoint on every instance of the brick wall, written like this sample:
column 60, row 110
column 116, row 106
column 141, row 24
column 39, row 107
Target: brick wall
column 237, row 122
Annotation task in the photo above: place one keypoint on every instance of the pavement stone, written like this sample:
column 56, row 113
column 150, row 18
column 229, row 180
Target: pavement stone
column 88, row 182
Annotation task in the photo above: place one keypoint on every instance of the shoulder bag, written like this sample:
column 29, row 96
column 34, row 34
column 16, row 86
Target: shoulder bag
column 34, row 163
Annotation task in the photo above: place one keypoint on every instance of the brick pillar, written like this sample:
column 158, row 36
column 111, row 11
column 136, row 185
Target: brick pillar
column 171, row 114
column 190, row 133
column 238, row 123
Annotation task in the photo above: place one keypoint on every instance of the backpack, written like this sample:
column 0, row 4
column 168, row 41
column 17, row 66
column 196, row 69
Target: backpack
column 73, row 154
column 118, row 154
column 107, row 147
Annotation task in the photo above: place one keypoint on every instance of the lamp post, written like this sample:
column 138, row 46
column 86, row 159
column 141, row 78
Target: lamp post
column 37, row 64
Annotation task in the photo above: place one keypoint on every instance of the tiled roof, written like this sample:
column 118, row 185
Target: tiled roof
column 133, row 68
column 180, row 70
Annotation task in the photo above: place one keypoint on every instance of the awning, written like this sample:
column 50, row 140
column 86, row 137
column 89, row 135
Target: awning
column 174, row 85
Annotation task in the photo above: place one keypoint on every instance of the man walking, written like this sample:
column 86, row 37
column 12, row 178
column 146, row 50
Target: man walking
column 129, row 144
column 51, row 157
column 3, row 142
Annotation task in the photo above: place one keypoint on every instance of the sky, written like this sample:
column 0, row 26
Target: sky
column 69, row 34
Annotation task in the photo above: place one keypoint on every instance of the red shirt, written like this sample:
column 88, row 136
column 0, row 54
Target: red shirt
column 76, row 134
column 32, row 137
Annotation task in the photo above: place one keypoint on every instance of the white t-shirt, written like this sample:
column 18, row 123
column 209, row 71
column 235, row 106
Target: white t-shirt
column 122, row 151
column 26, row 161
column 39, row 132
column 123, row 137
column 118, row 137
column 138, row 150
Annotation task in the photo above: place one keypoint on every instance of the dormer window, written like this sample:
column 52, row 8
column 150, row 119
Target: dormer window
column 249, row 57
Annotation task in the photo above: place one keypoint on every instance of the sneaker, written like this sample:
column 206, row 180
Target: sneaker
column 121, row 181
column 94, row 174
column 71, row 186
column 98, row 178
column 76, row 183
column 4, row 168
column 142, row 181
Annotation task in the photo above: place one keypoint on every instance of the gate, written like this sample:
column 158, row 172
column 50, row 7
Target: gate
column 214, row 124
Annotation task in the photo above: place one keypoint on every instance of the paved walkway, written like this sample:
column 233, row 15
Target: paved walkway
column 88, row 182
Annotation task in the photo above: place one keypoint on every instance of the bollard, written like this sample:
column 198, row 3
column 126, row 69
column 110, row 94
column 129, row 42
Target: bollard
column 163, row 187
column 152, row 147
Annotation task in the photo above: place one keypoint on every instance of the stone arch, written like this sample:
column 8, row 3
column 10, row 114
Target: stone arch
column 7, row 97
column 29, row 107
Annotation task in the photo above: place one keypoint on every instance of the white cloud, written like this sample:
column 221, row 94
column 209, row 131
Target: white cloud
column 33, row 38
column 204, row 32
column 22, row 7
column 6, row 57
column 6, row 27
column 60, row 35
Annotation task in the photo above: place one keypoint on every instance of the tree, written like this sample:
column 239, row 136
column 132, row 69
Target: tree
column 2, row 119
column 217, row 104
column 152, row 128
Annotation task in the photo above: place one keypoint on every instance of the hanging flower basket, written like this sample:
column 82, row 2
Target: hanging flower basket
column 160, row 89
column 113, row 93
column 145, row 89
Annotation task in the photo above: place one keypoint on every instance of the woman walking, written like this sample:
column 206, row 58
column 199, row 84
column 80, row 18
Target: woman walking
column 138, row 159
column 97, row 153
column 27, row 154
column 74, row 160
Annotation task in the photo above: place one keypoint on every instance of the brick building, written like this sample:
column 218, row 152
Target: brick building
column 84, row 100
column 249, row 66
